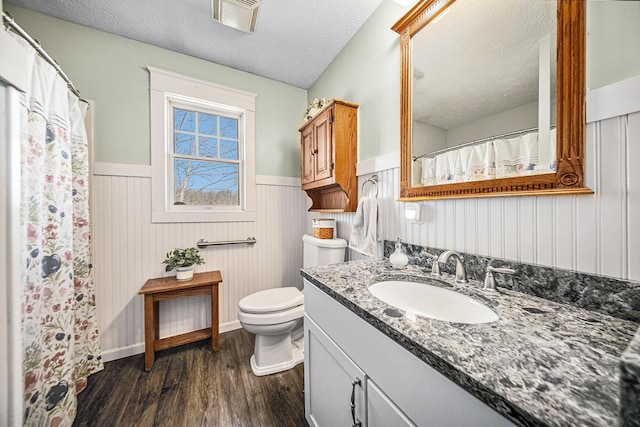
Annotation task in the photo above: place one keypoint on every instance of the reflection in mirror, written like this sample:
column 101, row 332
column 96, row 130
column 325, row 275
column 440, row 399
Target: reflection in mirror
column 492, row 98
column 484, row 107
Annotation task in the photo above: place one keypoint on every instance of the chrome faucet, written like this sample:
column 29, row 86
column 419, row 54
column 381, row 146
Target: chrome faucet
column 490, row 281
column 435, row 267
column 461, row 275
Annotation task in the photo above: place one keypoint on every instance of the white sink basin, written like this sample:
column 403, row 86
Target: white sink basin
column 433, row 302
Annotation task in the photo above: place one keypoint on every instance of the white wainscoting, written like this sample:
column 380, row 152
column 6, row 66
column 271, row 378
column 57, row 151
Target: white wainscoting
column 597, row 233
column 129, row 249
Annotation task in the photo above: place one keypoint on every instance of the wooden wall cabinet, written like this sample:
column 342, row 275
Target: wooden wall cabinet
column 328, row 152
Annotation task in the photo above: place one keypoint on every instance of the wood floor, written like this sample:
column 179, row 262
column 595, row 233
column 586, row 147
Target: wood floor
column 193, row 386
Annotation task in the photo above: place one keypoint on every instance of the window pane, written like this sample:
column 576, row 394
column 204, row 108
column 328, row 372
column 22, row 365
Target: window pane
column 228, row 149
column 205, row 183
column 208, row 147
column 184, row 143
column 207, row 124
column 184, row 120
column 228, row 127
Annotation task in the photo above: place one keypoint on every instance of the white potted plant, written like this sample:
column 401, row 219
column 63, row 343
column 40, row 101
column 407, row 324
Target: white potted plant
column 183, row 260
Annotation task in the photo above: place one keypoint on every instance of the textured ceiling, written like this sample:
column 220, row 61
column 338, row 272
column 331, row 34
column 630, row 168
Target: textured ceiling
column 294, row 41
column 480, row 59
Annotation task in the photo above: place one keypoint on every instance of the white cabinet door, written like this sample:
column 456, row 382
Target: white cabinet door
column 381, row 411
column 334, row 386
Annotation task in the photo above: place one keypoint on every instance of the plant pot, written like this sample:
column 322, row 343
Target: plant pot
column 184, row 274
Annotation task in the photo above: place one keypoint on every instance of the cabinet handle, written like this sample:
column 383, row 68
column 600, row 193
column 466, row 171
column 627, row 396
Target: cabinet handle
column 354, row 383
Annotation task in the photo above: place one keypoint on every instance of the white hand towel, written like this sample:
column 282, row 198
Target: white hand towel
column 366, row 229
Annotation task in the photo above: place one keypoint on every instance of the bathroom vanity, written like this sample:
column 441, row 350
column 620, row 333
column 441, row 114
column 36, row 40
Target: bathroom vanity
column 345, row 357
column 370, row 364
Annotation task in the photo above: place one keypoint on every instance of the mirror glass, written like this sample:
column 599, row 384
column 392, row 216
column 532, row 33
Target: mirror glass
column 491, row 55
column 483, row 92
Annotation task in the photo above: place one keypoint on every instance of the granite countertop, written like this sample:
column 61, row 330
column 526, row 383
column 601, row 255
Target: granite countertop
column 541, row 363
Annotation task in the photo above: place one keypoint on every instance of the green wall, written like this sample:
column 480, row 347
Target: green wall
column 367, row 72
column 613, row 36
column 111, row 70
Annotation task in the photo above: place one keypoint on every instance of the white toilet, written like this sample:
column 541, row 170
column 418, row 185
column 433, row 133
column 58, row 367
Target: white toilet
column 275, row 315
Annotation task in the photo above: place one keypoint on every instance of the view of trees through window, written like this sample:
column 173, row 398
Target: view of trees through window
column 206, row 163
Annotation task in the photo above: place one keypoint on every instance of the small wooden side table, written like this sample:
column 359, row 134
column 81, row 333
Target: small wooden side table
column 167, row 288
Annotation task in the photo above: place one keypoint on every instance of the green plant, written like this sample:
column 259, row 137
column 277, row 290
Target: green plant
column 182, row 258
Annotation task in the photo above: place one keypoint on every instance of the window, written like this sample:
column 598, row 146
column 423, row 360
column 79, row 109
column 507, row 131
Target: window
column 204, row 159
column 202, row 143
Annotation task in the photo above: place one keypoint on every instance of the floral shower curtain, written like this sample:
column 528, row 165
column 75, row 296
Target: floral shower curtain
column 60, row 334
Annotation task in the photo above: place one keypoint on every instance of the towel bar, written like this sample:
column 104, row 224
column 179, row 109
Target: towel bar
column 202, row 243
column 373, row 180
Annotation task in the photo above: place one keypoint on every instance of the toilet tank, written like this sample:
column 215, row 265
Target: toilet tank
column 322, row 251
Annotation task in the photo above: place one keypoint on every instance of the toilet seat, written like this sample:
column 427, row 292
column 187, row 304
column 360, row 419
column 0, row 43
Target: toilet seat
column 274, row 318
column 271, row 300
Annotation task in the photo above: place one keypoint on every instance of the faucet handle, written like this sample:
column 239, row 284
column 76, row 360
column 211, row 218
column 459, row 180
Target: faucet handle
column 489, row 281
column 428, row 255
column 435, row 266
column 502, row 270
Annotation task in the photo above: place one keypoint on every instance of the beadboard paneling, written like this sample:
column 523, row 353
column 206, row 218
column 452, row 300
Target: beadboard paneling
column 633, row 194
column 129, row 249
column 598, row 234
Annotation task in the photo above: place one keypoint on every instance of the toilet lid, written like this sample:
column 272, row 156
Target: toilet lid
column 272, row 300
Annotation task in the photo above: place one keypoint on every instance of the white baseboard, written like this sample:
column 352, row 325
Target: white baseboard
column 230, row 326
column 132, row 350
column 122, row 352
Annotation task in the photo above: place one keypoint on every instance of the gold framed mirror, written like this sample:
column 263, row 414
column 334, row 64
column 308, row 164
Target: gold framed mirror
column 563, row 172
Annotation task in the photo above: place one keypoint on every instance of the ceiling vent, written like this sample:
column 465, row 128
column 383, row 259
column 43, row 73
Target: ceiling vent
column 238, row 14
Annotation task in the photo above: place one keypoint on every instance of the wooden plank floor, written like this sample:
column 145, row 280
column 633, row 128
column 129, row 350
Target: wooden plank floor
column 193, row 386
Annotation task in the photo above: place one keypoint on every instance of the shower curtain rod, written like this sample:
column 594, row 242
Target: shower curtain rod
column 11, row 24
column 477, row 141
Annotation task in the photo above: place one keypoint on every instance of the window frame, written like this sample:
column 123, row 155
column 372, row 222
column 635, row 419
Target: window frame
column 169, row 89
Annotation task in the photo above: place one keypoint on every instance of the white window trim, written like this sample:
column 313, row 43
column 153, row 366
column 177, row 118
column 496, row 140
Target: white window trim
column 166, row 85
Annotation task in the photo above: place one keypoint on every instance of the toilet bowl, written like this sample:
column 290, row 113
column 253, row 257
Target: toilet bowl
column 275, row 316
